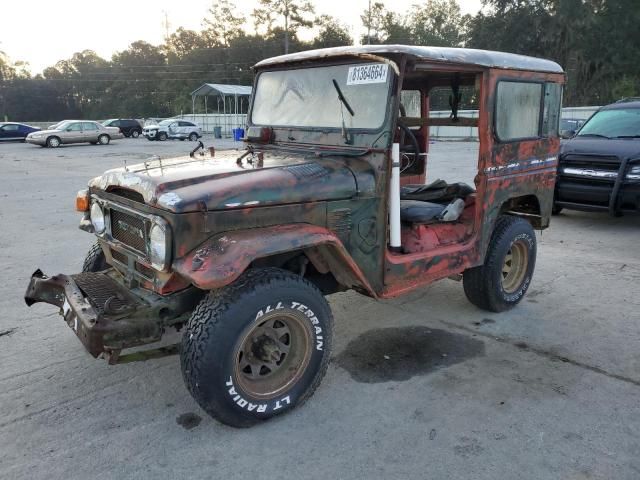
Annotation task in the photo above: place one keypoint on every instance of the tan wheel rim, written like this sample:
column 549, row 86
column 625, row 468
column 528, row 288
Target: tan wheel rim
column 514, row 267
column 273, row 353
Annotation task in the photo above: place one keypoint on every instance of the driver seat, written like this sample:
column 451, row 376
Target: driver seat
column 416, row 211
column 426, row 204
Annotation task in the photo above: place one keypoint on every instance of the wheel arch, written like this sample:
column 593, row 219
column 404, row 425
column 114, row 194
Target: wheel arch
column 528, row 207
column 310, row 250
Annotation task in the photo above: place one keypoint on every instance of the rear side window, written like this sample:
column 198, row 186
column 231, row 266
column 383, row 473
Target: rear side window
column 89, row 126
column 518, row 108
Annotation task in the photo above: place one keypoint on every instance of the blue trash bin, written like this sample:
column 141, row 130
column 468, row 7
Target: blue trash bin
column 238, row 133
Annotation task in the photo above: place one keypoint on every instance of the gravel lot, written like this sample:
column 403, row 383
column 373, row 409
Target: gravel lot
column 546, row 391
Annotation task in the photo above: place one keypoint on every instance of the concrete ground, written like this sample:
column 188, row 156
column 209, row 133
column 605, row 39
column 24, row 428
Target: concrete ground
column 424, row 386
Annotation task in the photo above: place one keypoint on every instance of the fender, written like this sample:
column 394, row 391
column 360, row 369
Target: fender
column 224, row 257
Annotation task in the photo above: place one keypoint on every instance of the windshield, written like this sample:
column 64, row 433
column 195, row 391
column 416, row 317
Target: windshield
column 61, row 125
column 308, row 97
column 613, row 123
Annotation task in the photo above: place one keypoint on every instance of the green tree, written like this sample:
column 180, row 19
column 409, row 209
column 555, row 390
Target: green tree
column 385, row 26
column 222, row 24
column 293, row 15
column 438, row 23
column 331, row 33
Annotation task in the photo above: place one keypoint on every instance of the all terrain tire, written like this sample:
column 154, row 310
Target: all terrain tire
column 503, row 280
column 258, row 347
column 95, row 260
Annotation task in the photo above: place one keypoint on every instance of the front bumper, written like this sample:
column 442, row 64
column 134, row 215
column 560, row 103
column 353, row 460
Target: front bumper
column 598, row 186
column 150, row 134
column 106, row 316
column 36, row 141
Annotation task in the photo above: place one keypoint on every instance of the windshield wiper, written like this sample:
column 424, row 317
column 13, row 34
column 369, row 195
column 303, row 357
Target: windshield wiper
column 343, row 101
column 628, row 136
column 593, row 135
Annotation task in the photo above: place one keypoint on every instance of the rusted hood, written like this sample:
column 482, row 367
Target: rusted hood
column 186, row 184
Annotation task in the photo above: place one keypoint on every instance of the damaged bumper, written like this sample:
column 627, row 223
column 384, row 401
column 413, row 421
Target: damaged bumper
column 105, row 315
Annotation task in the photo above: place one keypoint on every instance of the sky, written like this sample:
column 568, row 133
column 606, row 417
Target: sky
column 41, row 32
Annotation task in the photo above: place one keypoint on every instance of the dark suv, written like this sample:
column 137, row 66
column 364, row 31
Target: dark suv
column 128, row 126
column 599, row 168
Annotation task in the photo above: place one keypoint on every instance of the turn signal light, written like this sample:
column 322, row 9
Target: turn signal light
column 82, row 201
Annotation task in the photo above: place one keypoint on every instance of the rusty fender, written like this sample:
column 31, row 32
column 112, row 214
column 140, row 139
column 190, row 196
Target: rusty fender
column 224, row 257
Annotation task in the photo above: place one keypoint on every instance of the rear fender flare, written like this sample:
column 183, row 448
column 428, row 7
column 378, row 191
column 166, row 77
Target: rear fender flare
column 224, row 257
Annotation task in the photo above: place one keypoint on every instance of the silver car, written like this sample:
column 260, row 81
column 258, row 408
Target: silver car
column 74, row 131
column 172, row 128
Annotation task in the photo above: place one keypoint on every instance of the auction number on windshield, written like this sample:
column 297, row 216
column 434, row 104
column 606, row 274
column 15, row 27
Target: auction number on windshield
column 374, row 73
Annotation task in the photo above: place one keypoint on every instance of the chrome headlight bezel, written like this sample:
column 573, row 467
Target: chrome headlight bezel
column 159, row 244
column 98, row 218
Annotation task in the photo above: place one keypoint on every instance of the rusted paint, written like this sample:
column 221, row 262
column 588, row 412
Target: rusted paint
column 223, row 258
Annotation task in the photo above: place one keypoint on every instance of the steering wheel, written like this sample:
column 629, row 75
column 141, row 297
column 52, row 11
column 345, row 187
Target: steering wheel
column 410, row 148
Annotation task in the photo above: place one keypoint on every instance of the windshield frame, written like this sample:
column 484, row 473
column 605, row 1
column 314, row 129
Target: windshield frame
column 349, row 61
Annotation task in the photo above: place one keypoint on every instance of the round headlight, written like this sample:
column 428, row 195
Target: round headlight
column 97, row 218
column 158, row 246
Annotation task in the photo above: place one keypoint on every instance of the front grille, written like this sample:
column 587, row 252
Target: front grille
column 598, row 162
column 129, row 229
column 590, row 169
column 119, row 257
column 144, row 270
column 105, row 295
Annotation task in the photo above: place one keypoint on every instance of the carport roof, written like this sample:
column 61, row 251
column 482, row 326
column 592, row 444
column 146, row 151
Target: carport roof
column 220, row 89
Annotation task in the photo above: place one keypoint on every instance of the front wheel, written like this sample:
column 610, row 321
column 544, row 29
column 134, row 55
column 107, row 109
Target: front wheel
column 258, row 347
column 53, row 142
column 162, row 136
column 193, row 136
column 503, row 280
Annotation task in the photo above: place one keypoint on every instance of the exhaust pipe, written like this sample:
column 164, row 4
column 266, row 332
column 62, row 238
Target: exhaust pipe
column 394, row 200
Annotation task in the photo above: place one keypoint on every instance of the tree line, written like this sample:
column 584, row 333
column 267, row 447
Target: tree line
column 596, row 41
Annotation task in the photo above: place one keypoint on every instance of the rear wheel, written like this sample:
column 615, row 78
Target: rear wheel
column 53, row 142
column 258, row 347
column 135, row 134
column 503, row 280
column 95, row 261
column 104, row 139
column 555, row 210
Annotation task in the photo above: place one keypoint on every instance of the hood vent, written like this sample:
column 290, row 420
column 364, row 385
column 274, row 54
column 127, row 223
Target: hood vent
column 126, row 193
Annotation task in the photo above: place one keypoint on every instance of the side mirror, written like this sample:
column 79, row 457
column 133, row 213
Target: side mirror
column 567, row 134
column 69, row 129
